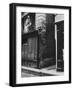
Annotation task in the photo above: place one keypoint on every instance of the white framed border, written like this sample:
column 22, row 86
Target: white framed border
column 65, row 77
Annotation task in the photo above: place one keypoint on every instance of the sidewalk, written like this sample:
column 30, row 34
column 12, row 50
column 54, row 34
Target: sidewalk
column 40, row 72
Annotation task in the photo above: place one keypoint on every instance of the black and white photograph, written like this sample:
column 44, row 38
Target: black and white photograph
column 42, row 48
column 40, row 44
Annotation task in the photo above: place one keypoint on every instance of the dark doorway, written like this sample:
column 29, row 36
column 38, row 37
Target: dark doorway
column 60, row 46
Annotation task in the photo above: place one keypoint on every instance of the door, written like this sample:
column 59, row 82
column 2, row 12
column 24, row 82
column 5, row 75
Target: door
column 60, row 46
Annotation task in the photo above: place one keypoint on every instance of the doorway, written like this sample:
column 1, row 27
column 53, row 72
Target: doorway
column 60, row 46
